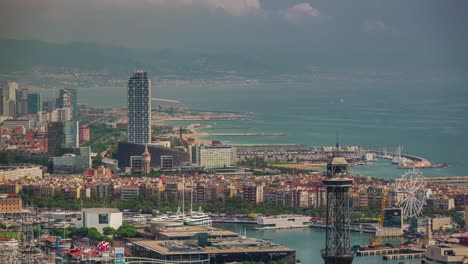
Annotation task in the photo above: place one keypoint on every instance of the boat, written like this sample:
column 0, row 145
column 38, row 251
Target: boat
column 198, row 218
column 397, row 158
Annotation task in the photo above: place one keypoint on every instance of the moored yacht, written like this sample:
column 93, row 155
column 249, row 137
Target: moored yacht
column 198, row 218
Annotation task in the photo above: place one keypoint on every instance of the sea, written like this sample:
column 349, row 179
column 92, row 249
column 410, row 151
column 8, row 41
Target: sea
column 425, row 114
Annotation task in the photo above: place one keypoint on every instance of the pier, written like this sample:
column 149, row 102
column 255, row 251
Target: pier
column 266, row 145
column 374, row 252
column 403, row 256
column 247, row 134
column 393, row 253
column 226, row 127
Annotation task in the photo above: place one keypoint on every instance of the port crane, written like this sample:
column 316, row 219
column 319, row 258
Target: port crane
column 378, row 236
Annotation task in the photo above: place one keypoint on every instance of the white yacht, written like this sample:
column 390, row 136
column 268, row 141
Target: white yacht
column 198, row 218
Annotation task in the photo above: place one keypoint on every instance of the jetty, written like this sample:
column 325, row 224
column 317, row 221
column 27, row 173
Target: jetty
column 380, row 251
column 247, row 134
column 393, row 253
column 266, row 145
column 404, row 256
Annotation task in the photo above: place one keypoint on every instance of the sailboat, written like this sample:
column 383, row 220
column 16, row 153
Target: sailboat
column 198, row 218
column 176, row 219
column 397, row 158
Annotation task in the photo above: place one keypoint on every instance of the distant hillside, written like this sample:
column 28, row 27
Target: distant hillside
column 21, row 55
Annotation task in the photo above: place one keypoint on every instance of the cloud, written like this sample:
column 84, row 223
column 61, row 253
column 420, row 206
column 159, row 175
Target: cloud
column 231, row 7
column 299, row 12
column 235, row 7
column 377, row 26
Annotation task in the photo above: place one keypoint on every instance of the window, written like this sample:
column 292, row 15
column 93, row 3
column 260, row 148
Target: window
column 103, row 219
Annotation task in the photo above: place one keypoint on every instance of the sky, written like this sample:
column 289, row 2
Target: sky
column 429, row 30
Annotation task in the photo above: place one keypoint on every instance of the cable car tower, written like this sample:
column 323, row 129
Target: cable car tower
column 337, row 248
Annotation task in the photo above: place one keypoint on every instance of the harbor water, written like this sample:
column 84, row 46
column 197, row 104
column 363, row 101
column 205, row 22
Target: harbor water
column 309, row 241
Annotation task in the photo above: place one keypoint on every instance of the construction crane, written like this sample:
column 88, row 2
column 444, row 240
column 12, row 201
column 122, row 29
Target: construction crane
column 378, row 235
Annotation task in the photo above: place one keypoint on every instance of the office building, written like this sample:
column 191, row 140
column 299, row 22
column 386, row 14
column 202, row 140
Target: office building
column 34, row 103
column 213, row 156
column 68, row 99
column 73, row 163
column 139, row 108
column 22, row 101
column 102, row 217
column 62, row 135
column 167, row 163
column 126, row 150
column 392, row 225
column 11, row 91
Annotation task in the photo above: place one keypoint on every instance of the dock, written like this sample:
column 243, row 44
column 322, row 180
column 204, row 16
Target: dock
column 403, row 256
column 248, row 134
column 226, row 127
column 266, row 145
column 393, row 253
column 374, row 252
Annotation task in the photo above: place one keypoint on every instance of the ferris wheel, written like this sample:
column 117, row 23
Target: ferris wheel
column 413, row 186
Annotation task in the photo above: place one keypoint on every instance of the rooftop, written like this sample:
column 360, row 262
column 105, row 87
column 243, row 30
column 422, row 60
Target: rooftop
column 218, row 246
column 339, row 161
column 191, row 231
column 101, row 210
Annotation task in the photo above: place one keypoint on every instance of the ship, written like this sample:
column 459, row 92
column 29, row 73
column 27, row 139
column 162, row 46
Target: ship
column 198, row 218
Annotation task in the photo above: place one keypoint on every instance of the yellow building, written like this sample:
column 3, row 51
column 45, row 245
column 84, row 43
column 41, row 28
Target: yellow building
column 10, row 203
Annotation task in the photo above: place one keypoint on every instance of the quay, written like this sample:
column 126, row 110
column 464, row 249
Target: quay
column 404, row 256
column 248, row 134
column 266, row 145
column 226, row 127
column 373, row 252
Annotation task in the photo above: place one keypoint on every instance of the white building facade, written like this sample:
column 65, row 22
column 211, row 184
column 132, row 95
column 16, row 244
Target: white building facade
column 214, row 157
column 101, row 217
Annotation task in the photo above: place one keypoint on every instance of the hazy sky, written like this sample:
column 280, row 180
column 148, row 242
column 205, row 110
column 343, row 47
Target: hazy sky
column 296, row 28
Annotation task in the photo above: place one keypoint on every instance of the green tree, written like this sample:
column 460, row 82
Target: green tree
column 108, row 231
column 126, row 231
column 94, row 234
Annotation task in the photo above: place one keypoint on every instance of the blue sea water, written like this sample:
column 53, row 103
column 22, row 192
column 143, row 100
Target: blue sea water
column 427, row 116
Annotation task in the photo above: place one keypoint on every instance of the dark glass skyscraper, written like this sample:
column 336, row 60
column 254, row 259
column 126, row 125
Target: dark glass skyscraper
column 139, row 108
column 34, row 103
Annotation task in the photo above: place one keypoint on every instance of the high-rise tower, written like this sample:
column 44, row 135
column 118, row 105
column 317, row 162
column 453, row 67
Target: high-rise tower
column 337, row 248
column 68, row 100
column 139, row 108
